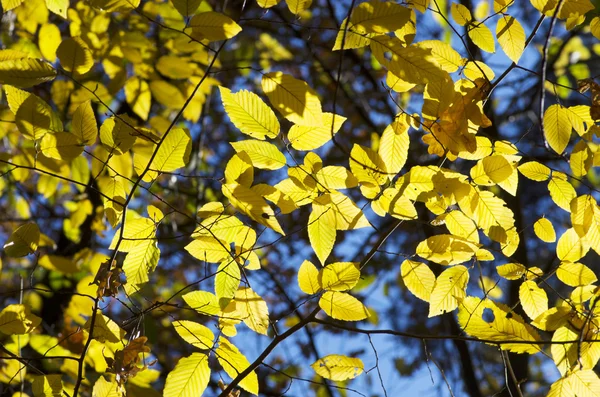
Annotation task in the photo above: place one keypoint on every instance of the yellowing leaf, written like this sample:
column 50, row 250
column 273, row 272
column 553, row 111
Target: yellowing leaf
column 34, row 118
column 533, row 299
column 393, row 146
column 251, row 204
column 59, row 7
column 208, row 248
column 544, row 230
column 511, row 271
column 367, row 166
column 293, row 98
column 310, row 137
column 18, row 319
column 511, row 37
column 322, row 230
column 571, row 247
column 203, row 302
column 575, row 274
column 104, row 388
column 375, row 16
column 137, row 93
column 338, row 368
column 61, row 146
column 141, row 260
column 584, row 383
column 115, row 5
column 234, row 362
column 186, row 8
column 445, row 56
column 227, row 282
column 189, row 378
column 482, row 37
column 446, row 249
column 195, row 334
column 84, row 125
column 418, row 278
column 339, row 276
column 49, row 40
column 117, row 134
column 561, row 192
column 493, row 321
column 174, row 152
column 263, row 154
column 267, row 3
column 557, row 127
column 335, row 177
column 460, row 225
column 214, row 26
column 75, row 56
column 308, row 278
column 8, row 5
column 343, row 306
column 47, row 385
column 25, row 72
column 250, row 114
column 298, row 6
column 23, row 240
column 239, row 169
column 460, row 14
column 449, row 290
column 252, row 309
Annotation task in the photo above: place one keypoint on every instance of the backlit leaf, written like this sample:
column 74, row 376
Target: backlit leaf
column 189, row 378
column 250, row 114
column 234, row 362
column 343, row 306
column 338, row 368
column 293, row 98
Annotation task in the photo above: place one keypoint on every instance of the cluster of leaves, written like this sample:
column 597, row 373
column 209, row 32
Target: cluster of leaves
column 111, row 172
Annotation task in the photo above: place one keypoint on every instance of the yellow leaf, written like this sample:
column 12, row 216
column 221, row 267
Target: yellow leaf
column 575, row 274
column 482, row 37
column 308, row 278
column 535, row 171
column 104, row 388
column 491, row 170
column 553, row 318
column 293, row 98
column 59, row 7
column 581, row 383
column 75, row 56
column 61, row 146
column 263, row 154
column 393, row 146
column 339, row 276
column 367, row 166
column 25, row 72
column 338, row 368
column 208, row 248
column 392, row 202
column 117, row 134
column 234, row 362
column 115, row 5
column 18, row 319
column 343, row 306
column 511, row 271
column 544, row 230
column 105, row 329
column 347, row 214
column 252, row 309
column 227, row 281
column 137, row 93
column 418, row 278
column 174, row 152
column 322, row 230
column 203, row 302
column 310, row 137
column 449, row 290
column 167, row 94
column 8, row 5
column 250, row 114
column 84, row 125
column 511, row 37
column 460, row 14
column 496, row 322
column 595, row 27
column 186, row 8
column 447, row 58
column 251, row 204
column 214, row 26
column 59, row 264
column 141, row 260
column 375, row 16
column 298, row 6
column 571, row 247
column 581, row 159
column 195, row 334
column 557, row 127
column 189, row 378
column 335, row 177
column 561, row 192
column 239, row 169
column 49, row 40
column 34, row 118
column 460, row 225
column 350, row 38
column 446, row 249
column 267, row 3
column 23, row 240
column 533, row 299
column 47, row 385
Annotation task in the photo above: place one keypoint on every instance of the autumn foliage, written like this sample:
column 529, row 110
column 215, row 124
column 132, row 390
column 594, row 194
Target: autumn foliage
column 191, row 187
